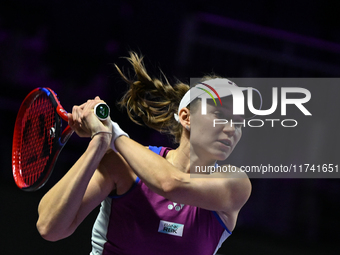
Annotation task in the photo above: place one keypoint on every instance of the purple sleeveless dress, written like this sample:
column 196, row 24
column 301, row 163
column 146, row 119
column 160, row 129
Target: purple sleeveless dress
column 143, row 222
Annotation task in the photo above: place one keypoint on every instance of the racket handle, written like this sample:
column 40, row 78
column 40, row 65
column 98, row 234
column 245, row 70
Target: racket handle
column 102, row 111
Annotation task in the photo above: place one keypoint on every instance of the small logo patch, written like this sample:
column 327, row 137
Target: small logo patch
column 177, row 207
column 170, row 228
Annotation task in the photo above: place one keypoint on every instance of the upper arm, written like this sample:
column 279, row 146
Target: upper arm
column 112, row 174
column 225, row 193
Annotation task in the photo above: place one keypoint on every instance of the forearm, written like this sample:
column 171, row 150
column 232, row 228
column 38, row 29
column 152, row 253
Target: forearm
column 59, row 207
column 154, row 171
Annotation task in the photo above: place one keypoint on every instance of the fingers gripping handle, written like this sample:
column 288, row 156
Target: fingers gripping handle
column 102, row 111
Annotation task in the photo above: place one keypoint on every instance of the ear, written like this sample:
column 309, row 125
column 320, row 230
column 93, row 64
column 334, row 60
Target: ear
column 184, row 117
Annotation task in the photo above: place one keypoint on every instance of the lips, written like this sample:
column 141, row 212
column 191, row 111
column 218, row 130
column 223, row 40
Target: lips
column 226, row 142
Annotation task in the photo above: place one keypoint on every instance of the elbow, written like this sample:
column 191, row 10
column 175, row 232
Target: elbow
column 45, row 233
column 50, row 228
column 48, row 233
column 167, row 189
column 170, row 188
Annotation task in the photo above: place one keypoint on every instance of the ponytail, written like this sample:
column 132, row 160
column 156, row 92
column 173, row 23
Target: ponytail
column 152, row 102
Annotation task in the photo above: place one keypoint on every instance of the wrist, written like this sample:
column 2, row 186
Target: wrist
column 118, row 143
column 101, row 132
column 116, row 133
column 101, row 141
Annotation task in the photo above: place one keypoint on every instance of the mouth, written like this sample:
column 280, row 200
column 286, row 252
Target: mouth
column 226, row 142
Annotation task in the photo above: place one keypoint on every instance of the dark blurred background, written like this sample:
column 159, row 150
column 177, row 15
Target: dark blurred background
column 70, row 46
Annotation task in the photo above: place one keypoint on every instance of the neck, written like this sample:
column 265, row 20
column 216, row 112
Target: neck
column 180, row 157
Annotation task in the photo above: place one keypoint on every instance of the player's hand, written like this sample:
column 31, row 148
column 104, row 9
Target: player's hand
column 84, row 122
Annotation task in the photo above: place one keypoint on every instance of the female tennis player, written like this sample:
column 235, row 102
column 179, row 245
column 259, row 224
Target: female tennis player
column 151, row 200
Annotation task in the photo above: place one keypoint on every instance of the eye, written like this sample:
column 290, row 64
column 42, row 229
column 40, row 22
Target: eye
column 219, row 114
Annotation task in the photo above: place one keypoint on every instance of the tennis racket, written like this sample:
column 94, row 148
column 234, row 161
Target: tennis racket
column 38, row 137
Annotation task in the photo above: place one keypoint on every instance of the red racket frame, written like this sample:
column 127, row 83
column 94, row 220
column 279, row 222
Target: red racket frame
column 59, row 139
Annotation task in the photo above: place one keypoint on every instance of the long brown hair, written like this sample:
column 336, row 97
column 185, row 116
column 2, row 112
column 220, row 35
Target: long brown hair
column 152, row 101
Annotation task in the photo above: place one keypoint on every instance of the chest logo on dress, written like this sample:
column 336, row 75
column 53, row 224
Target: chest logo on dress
column 170, row 228
column 177, row 207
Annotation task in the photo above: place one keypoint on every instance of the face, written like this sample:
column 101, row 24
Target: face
column 214, row 143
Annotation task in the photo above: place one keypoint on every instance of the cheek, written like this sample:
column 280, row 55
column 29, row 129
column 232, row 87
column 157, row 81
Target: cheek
column 202, row 123
column 202, row 130
column 238, row 135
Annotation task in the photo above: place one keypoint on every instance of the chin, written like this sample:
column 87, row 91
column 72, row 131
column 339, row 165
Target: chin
column 222, row 152
column 221, row 155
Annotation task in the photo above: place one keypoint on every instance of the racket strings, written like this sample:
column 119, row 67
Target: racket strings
column 37, row 140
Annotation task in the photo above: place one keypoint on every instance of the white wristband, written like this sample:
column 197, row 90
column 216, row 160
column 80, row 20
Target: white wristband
column 116, row 132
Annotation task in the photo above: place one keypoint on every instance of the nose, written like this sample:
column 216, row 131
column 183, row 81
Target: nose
column 229, row 129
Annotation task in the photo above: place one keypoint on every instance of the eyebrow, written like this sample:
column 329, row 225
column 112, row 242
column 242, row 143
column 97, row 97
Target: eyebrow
column 230, row 114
